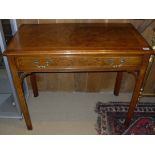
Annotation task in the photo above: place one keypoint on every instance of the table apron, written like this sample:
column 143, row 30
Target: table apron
column 77, row 63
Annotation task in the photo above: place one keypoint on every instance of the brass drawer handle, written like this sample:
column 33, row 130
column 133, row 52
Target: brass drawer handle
column 47, row 62
column 117, row 66
column 122, row 61
column 41, row 66
column 36, row 62
column 109, row 61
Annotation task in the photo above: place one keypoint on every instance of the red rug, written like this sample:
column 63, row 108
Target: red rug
column 111, row 117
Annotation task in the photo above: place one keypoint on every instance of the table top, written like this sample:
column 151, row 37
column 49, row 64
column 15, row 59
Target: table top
column 77, row 38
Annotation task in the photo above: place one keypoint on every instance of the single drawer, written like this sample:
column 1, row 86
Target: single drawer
column 79, row 62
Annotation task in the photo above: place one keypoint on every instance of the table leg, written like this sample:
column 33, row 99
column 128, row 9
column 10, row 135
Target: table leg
column 34, row 84
column 118, row 83
column 18, row 87
column 137, row 90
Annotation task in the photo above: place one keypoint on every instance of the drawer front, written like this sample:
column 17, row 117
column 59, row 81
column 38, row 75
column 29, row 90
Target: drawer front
column 78, row 62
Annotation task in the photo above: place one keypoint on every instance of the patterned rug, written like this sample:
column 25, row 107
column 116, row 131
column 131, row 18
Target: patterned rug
column 111, row 117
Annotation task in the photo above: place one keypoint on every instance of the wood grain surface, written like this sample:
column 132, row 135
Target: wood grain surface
column 78, row 47
column 79, row 82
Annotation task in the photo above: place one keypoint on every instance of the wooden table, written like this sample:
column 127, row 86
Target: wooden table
column 78, row 48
